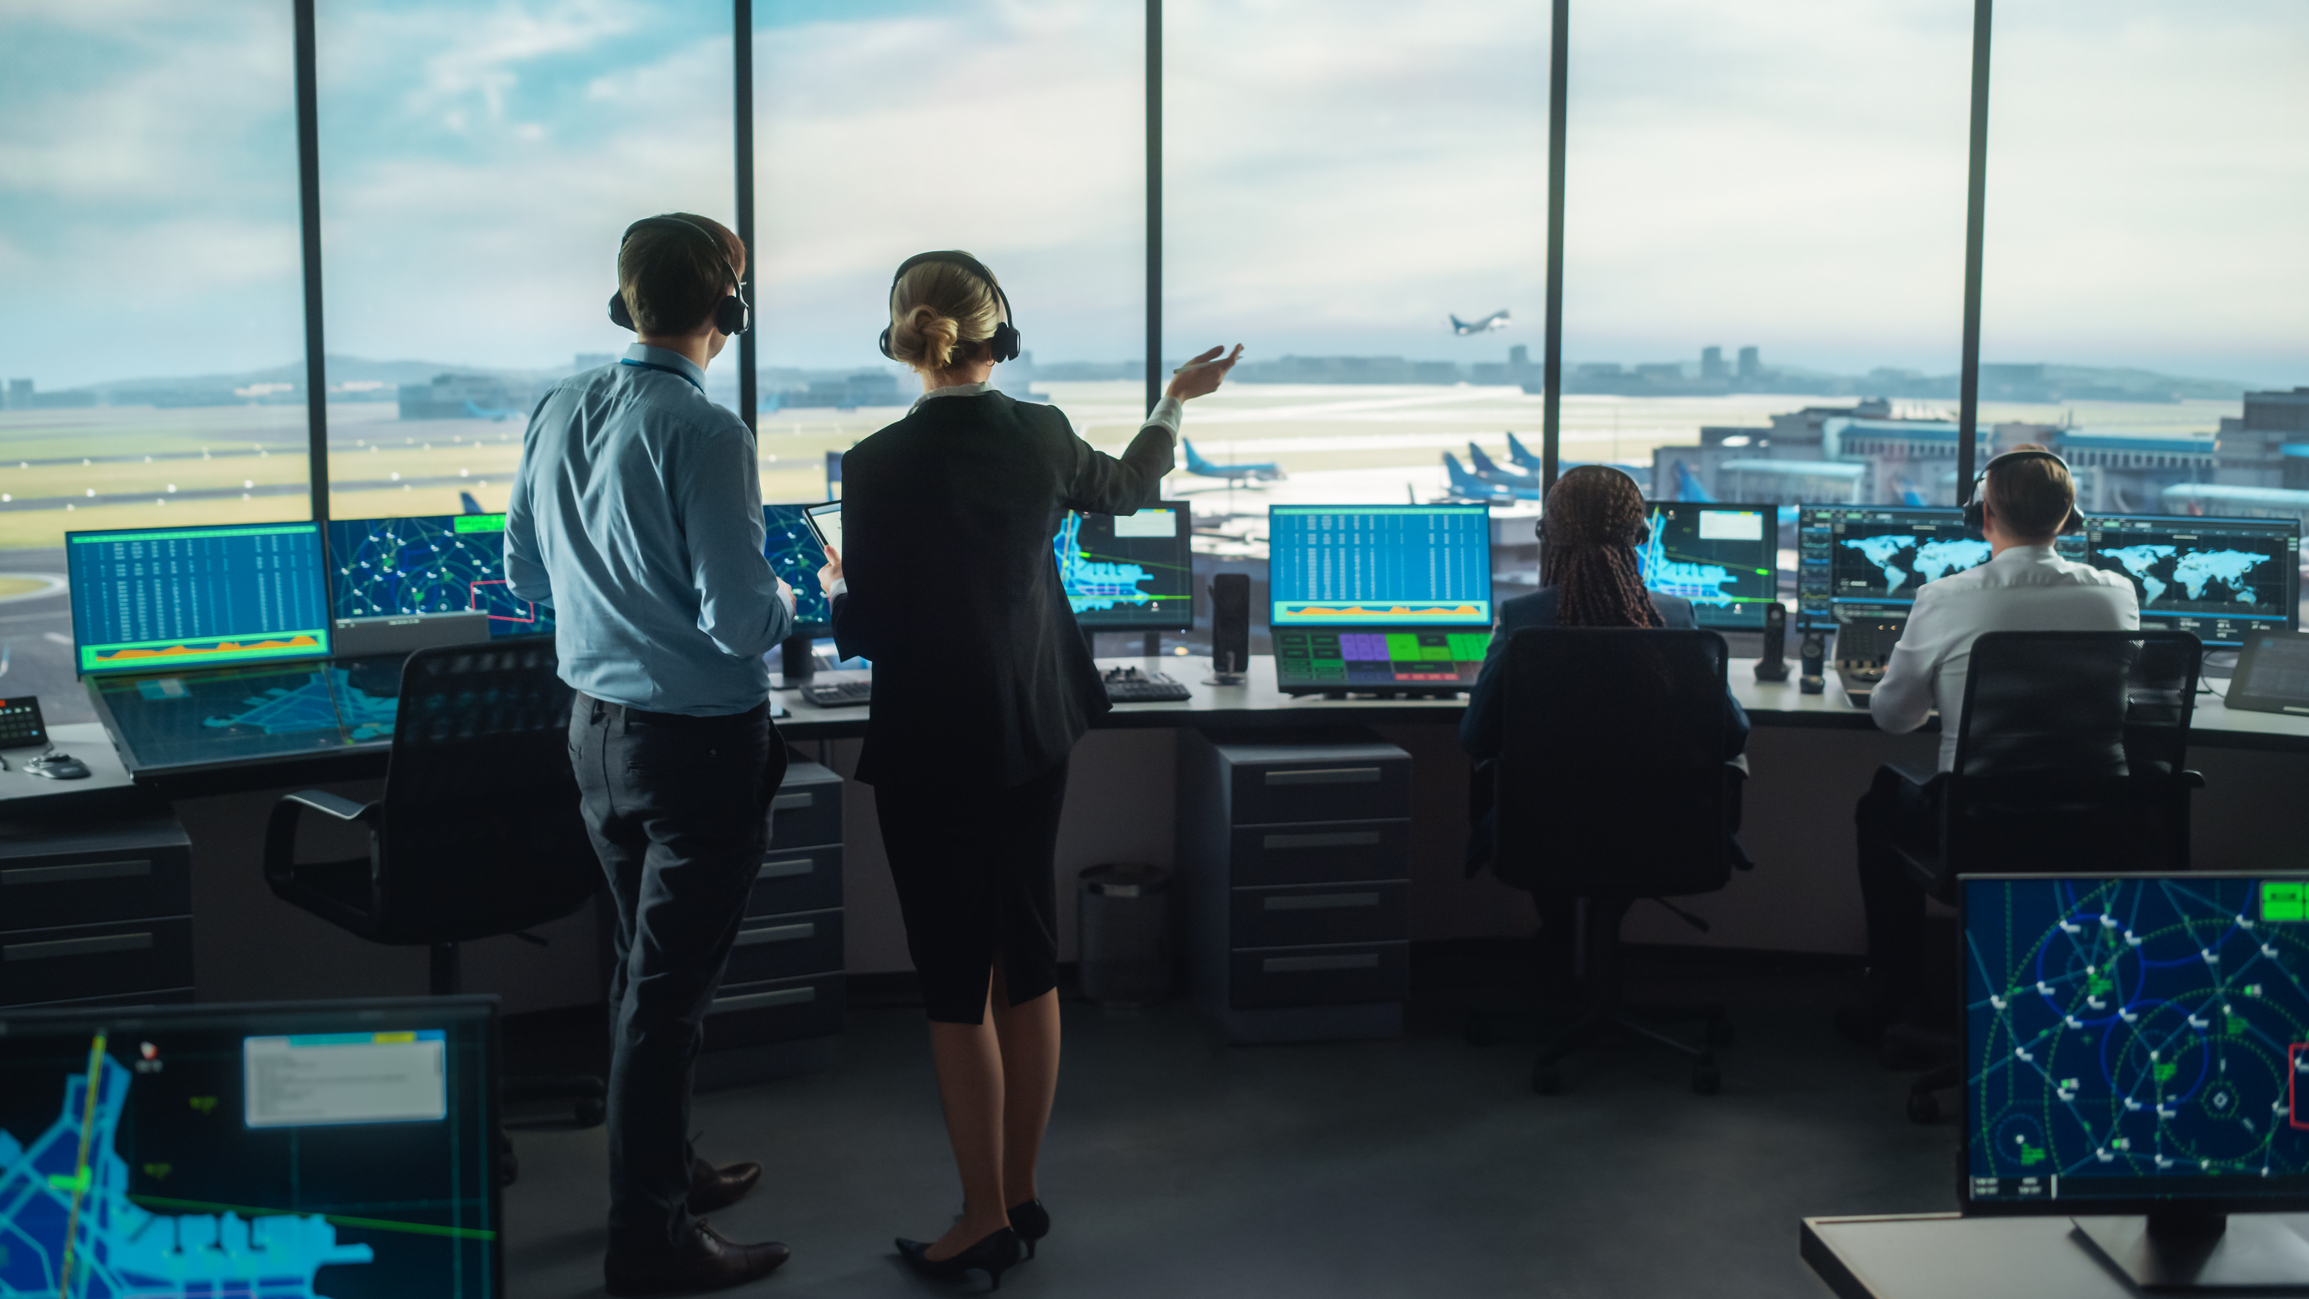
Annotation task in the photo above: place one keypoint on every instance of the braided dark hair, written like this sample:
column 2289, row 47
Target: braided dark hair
column 1588, row 533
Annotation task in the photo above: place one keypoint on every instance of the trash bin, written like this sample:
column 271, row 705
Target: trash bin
column 1124, row 915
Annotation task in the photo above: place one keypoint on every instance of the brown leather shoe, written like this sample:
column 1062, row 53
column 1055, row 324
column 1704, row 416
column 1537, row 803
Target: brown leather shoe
column 712, row 1188
column 703, row 1262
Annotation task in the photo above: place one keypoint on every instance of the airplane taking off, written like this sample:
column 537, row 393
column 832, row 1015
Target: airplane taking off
column 1467, row 486
column 1262, row 473
column 1496, row 320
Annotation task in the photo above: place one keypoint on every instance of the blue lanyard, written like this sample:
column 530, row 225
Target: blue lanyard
column 652, row 365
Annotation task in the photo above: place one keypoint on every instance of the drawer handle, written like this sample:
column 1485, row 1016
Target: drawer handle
column 1339, row 839
column 759, row 1000
column 73, row 874
column 789, row 802
column 1322, row 902
column 75, row 947
column 779, row 870
column 1309, row 964
column 778, row 934
column 1326, row 776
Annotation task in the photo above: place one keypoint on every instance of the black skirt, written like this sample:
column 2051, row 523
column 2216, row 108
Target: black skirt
column 975, row 870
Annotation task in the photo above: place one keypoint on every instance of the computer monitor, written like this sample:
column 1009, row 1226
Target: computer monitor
column 416, row 581
column 796, row 556
column 155, row 599
column 2135, row 1043
column 2219, row 578
column 1864, row 562
column 1382, row 599
column 311, row 1148
column 1129, row 572
column 1723, row 559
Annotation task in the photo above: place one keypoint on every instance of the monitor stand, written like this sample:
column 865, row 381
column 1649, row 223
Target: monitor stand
column 2188, row 1249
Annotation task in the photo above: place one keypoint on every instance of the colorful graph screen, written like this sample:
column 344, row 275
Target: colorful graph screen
column 2135, row 1038
column 1389, row 660
column 342, row 1148
column 427, row 567
column 793, row 550
column 1406, row 565
column 1722, row 559
column 153, row 599
column 1129, row 570
column 2219, row 578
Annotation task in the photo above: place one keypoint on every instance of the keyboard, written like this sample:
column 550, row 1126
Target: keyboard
column 839, row 694
column 1132, row 686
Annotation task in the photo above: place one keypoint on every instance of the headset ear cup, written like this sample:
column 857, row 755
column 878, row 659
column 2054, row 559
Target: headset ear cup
column 884, row 344
column 730, row 316
column 1005, row 342
column 617, row 313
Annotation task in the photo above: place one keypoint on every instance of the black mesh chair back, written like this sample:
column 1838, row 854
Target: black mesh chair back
column 2070, row 752
column 1611, row 782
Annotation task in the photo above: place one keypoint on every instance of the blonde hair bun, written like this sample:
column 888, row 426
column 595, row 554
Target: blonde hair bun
column 941, row 316
column 925, row 338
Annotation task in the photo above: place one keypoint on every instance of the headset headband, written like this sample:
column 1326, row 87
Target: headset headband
column 1005, row 340
column 732, row 315
column 1976, row 508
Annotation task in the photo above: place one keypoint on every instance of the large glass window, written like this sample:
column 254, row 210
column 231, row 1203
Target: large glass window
column 477, row 167
column 2146, row 283
column 152, row 347
column 1764, row 233
column 1012, row 131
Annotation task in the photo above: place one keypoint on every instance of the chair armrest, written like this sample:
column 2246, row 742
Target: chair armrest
column 1920, row 781
column 2192, row 780
column 281, row 829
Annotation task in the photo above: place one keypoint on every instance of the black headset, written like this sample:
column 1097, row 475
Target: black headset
column 732, row 315
column 1643, row 532
column 1976, row 509
column 1004, row 344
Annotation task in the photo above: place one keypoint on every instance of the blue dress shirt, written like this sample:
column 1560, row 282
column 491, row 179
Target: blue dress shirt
column 637, row 517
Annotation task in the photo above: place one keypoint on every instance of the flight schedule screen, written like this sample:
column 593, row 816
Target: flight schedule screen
column 176, row 598
column 2130, row 1037
column 1426, row 565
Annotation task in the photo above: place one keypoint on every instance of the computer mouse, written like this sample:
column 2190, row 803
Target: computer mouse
column 58, row 766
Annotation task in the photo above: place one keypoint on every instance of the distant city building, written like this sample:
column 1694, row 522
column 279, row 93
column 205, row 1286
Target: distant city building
column 1712, row 365
column 21, row 396
column 1751, row 364
column 865, row 388
column 18, row 396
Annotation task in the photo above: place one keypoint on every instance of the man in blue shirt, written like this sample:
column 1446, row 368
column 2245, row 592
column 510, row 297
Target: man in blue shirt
column 637, row 516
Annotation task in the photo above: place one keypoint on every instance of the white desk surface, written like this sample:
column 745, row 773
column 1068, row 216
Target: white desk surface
column 1944, row 1256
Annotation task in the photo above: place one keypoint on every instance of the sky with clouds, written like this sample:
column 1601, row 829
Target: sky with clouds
column 1339, row 175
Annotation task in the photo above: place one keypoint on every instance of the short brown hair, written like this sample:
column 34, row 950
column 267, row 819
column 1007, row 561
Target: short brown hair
column 671, row 279
column 2032, row 496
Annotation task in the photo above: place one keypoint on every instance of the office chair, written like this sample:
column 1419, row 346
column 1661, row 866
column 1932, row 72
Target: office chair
column 1612, row 788
column 2069, row 754
column 479, row 832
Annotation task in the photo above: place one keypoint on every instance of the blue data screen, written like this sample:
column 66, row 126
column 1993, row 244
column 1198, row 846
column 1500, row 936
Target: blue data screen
column 153, row 599
column 1398, row 565
column 793, row 551
column 2132, row 1037
column 427, row 566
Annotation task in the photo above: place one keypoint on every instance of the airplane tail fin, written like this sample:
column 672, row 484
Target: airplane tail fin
column 1195, row 463
column 1689, row 487
column 1483, row 463
column 1459, row 326
column 469, row 506
column 1521, row 455
column 1463, row 483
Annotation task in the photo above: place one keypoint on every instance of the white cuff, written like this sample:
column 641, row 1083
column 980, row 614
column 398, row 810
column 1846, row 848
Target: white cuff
column 1167, row 413
column 841, row 586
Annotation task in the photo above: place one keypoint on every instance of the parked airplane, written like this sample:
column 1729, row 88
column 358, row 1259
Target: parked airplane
column 468, row 504
column 1469, row 487
column 483, row 412
column 1488, row 470
column 1689, row 487
column 1522, row 455
column 1496, row 320
column 1261, row 473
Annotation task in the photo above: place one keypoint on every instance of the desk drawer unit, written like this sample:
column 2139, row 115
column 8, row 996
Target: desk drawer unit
column 1296, row 852
column 781, row 1000
column 95, row 913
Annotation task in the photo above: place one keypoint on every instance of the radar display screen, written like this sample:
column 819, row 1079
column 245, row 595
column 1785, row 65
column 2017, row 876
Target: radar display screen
column 1722, row 559
column 200, row 1152
column 1863, row 563
column 426, row 567
column 2219, row 578
column 2136, row 1037
column 793, row 551
column 1129, row 570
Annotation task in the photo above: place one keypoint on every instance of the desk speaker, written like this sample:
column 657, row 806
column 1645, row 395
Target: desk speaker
column 1230, row 628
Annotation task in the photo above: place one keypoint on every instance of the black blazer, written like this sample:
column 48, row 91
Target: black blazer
column 980, row 675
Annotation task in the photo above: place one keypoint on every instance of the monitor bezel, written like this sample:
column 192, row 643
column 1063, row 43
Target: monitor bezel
column 132, row 1016
column 1771, row 514
column 1490, row 572
column 327, row 649
column 803, row 626
column 1184, row 511
column 2054, row 1208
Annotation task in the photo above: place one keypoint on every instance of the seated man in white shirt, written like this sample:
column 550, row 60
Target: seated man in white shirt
column 2027, row 498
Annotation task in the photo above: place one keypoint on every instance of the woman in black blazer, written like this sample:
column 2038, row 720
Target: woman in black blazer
column 982, row 684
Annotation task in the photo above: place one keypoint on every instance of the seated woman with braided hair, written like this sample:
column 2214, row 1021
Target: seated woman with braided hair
column 1589, row 576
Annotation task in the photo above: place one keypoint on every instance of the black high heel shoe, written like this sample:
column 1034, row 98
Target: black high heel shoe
column 993, row 1255
column 1031, row 1221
